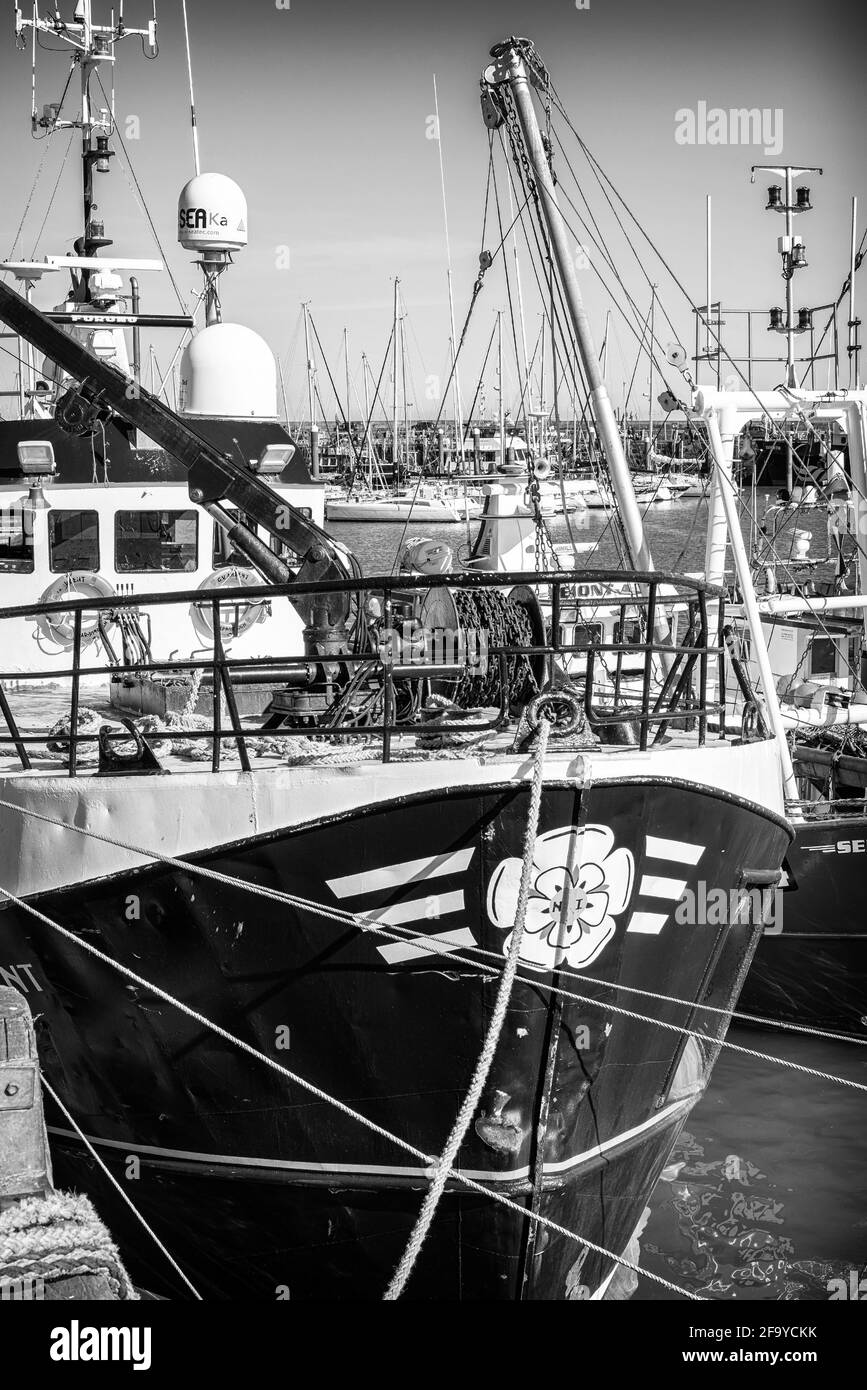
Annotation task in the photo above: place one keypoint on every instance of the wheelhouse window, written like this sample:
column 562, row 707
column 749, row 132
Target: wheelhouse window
column 73, row 541
column 823, row 656
column 16, row 541
column 155, row 542
column 630, row 632
column 223, row 552
column 586, row 635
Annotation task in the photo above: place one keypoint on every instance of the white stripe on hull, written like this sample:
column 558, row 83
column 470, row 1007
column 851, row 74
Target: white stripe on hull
column 396, row 875
column 656, row 1121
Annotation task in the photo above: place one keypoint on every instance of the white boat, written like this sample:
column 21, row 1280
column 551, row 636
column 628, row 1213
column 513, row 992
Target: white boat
column 400, row 506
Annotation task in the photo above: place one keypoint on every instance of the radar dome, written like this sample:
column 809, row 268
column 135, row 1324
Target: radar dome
column 228, row 370
column 212, row 214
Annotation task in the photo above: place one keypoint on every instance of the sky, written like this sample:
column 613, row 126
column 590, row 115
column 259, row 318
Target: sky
column 321, row 110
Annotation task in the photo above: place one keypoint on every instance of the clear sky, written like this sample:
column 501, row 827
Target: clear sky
column 320, row 110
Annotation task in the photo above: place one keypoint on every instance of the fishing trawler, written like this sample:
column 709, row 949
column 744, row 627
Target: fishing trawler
column 431, row 878
column 808, row 563
column 90, row 507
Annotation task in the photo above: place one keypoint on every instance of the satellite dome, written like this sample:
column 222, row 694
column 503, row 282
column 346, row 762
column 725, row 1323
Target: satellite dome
column 228, row 370
column 212, row 214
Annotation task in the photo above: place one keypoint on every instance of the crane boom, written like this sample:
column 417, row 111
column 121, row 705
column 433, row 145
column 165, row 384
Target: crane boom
column 214, row 478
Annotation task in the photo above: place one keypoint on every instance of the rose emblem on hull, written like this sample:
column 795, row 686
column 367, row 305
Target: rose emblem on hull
column 579, row 883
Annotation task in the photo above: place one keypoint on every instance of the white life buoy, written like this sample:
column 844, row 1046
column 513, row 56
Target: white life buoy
column 235, row 618
column 59, row 628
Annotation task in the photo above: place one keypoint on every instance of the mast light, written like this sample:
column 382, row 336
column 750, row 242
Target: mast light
column 803, row 204
column 776, row 324
column 775, row 198
column 103, row 154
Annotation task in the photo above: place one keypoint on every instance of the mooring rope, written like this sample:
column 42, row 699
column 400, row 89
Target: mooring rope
column 486, row 1056
column 367, row 924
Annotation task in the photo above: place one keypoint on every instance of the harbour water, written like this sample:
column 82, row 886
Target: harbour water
column 766, row 1193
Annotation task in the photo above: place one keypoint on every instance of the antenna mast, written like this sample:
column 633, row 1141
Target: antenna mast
column 794, row 255
column 193, row 124
column 93, row 47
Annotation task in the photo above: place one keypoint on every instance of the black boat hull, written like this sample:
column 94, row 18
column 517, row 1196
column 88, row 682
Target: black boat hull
column 262, row 1190
column 811, row 965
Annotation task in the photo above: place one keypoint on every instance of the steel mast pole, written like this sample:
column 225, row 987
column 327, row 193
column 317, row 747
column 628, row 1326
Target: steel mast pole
column 854, row 373
column 509, row 67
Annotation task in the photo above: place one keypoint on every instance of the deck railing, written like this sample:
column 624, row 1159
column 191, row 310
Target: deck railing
column 639, row 687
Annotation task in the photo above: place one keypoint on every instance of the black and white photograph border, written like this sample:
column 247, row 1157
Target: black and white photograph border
column 433, row 546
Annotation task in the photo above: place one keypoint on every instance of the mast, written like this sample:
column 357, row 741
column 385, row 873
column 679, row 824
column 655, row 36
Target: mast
column 650, row 375
column 394, row 382
column 792, row 252
column 364, row 370
column 526, row 382
column 500, row 413
column 310, row 368
column 509, row 67
column 456, row 386
column 193, row 125
column 403, row 385
column 348, row 402
column 853, row 345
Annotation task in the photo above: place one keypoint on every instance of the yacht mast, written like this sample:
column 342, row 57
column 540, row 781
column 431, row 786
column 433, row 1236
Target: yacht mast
column 456, row 385
column 394, row 381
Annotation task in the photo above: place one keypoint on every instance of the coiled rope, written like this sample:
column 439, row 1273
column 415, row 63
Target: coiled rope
column 486, row 1056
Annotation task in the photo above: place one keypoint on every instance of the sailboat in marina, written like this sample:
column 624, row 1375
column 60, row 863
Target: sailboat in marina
column 358, row 987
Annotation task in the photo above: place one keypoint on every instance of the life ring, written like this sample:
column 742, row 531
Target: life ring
column 60, row 627
column 237, row 617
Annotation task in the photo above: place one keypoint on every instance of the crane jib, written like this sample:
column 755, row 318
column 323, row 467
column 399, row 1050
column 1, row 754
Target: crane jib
column 214, row 478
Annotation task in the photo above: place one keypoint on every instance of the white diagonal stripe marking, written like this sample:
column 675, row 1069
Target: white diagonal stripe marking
column 396, row 875
column 651, row 923
column 434, row 906
column 654, row 886
column 410, row 950
column 679, row 851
